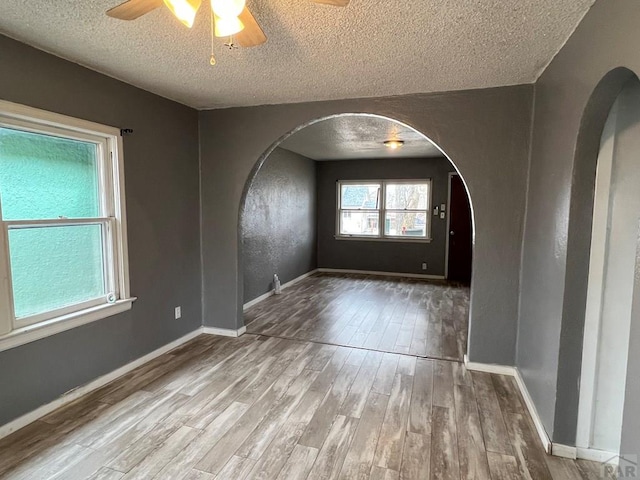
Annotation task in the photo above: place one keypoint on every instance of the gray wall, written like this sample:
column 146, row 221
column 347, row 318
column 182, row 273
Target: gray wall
column 162, row 189
column 484, row 132
column 376, row 255
column 631, row 419
column 560, row 201
column 279, row 222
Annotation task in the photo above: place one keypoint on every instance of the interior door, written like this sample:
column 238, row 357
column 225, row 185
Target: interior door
column 460, row 233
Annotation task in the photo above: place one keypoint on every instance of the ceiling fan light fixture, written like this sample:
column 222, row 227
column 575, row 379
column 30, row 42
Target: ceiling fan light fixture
column 394, row 144
column 228, row 8
column 228, row 26
column 184, row 10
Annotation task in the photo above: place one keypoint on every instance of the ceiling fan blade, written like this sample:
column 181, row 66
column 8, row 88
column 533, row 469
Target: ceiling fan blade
column 252, row 35
column 133, row 9
column 335, row 3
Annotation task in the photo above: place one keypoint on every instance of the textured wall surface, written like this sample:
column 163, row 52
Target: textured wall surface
column 161, row 169
column 279, row 222
column 630, row 444
column 553, row 282
column 402, row 257
column 484, row 132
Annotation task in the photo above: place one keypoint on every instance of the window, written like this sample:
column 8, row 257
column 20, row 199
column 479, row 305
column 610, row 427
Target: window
column 63, row 256
column 391, row 210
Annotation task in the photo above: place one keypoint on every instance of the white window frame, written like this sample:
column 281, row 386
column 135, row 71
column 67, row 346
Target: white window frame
column 15, row 332
column 382, row 210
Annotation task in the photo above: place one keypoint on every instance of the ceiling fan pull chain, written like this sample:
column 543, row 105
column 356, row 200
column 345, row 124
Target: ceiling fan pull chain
column 212, row 59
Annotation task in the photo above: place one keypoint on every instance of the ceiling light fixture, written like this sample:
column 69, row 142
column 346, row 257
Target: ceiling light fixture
column 394, row 144
column 226, row 13
column 228, row 8
column 227, row 26
column 184, row 10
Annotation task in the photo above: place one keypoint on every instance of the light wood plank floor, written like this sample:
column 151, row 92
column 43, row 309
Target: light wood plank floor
column 261, row 407
column 398, row 315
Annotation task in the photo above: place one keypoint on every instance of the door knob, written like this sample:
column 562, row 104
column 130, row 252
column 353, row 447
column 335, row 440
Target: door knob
column 452, row 232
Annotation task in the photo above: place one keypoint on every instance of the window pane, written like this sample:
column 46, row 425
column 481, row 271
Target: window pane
column 359, row 223
column 54, row 267
column 44, row 177
column 406, row 224
column 402, row 196
column 360, row 196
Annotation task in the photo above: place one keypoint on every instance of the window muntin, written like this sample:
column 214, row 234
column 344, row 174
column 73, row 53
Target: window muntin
column 62, row 231
column 402, row 215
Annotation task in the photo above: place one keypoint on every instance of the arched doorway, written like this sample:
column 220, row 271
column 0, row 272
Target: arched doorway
column 258, row 253
column 579, row 342
column 616, row 215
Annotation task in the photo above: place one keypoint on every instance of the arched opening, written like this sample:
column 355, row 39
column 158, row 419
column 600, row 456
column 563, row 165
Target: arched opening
column 599, row 275
column 423, row 241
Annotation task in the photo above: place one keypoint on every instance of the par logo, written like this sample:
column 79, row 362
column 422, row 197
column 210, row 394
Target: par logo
column 620, row 467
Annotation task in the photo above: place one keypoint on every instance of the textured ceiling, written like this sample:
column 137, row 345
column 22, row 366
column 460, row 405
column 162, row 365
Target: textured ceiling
column 314, row 52
column 358, row 136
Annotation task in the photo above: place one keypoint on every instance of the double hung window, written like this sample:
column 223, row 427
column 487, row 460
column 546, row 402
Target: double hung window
column 386, row 209
column 62, row 222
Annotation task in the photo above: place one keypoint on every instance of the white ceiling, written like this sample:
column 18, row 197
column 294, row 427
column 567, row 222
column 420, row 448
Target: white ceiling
column 314, row 52
column 358, row 136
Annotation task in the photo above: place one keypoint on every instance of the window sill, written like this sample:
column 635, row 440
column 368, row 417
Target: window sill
column 383, row 239
column 45, row 329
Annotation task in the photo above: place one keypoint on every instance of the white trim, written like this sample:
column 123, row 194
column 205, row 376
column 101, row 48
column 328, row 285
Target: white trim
column 94, row 385
column 23, row 112
column 599, row 456
column 381, row 274
column 489, row 368
column 224, row 332
column 362, row 238
column 564, row 451
column 120, row 204
column 514, row 372
column 263, row 297
column 34, row 332
column 533, row 411
column 447, row 213
column 257, row 300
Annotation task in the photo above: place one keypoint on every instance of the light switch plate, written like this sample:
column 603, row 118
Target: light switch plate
column 178, row 312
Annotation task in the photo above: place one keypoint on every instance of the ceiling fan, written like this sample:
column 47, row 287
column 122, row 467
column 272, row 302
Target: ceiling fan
column 229, row 18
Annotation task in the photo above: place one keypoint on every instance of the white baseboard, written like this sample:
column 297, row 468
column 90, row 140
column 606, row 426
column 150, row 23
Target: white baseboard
column 99, row 382
column 224, row 332
column 382, row 274
column 564, row 451
column 599, row 456
column 284, row 286
column 489, row 368
column 533, row 411
column 514, row 372
column 257, row 300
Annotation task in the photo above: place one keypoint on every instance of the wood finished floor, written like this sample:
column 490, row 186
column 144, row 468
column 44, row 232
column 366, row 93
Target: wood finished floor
column 406, row 316
column 261, row 407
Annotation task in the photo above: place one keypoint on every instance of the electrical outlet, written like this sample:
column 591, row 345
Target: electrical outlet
column 178, row 312
column 424, row 265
